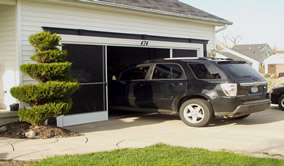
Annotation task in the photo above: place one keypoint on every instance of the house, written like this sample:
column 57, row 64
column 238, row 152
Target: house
column 253, row 54
column 258, row 52
column 274, row 64
column 229, row 53
column 100, row 36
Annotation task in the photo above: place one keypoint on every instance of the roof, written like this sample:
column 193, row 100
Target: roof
column 167, row 7
column 257, row 52
column 275, row 59
column 232, row 56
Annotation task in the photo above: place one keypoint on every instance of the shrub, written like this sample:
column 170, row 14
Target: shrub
column 43, row 72
column 38, row 114
column 44, row 41
column 45, row 92
column 51, row 96
column 49, row 56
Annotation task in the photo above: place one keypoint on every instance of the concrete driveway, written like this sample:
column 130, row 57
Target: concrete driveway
column 261, row 134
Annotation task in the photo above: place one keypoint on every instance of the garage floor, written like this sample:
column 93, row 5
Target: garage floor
column 261, row 134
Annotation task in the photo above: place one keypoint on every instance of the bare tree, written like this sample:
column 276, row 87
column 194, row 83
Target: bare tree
column 229, row 38
column 274, row 50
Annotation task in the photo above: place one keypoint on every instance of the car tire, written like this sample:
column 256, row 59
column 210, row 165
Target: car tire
column 241, row 117
column 196, row 112
column 281, row 102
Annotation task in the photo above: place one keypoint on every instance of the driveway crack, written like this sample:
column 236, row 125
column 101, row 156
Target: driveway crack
column 87, row 140
column 13, row 148
column 117, row 144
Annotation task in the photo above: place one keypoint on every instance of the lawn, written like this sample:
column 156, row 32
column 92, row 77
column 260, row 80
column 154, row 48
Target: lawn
column 160, row 154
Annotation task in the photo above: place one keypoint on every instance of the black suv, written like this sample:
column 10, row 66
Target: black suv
column 197, row 88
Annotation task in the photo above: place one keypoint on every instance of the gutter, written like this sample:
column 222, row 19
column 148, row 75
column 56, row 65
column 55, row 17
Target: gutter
column 222, row 28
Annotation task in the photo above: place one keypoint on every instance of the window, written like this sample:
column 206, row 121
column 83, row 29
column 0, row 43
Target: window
column 242, row 71
column 167, row 71
column 136, row 73
column 184, row 53
column 204, row 71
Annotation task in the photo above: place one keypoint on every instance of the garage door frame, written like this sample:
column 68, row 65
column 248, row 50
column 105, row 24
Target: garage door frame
column 69, row 120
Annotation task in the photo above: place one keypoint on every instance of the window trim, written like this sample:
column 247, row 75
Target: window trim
column 154, row 66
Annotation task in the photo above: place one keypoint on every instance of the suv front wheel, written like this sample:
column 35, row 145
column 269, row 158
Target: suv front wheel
column 196, row 112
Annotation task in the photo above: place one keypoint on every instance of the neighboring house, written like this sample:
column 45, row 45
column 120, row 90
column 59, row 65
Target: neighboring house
column 274, row 64
column 258, row 52
column 228, row 53
column 253, row 54
column 100, row 36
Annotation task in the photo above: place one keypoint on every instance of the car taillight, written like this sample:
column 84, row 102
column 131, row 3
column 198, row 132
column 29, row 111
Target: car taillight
column 230, row 89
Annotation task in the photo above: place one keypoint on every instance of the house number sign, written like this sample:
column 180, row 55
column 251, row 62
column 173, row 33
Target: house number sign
column 144, row 43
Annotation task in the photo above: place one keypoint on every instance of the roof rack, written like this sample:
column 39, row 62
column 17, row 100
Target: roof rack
column 213, row 58
column 185, row 58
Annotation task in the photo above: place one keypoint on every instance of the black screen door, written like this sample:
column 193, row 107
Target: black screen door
column 88, row 66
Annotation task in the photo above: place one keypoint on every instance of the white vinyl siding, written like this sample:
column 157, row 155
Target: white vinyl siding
column 8, row 62
column 36, row 15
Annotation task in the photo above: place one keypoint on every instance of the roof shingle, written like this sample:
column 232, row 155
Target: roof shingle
column 171, row 6
column 257, row 52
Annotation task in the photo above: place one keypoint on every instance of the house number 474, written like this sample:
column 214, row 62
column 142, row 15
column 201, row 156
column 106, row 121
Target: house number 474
column 144, row 43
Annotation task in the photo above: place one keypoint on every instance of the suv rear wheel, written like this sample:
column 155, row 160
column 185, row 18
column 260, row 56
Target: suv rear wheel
column 281, row 102
column 196, row 112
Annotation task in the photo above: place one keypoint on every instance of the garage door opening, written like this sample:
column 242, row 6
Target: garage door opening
column 121, row 57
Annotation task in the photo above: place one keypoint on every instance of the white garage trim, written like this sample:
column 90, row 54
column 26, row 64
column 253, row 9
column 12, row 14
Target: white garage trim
column 70, row 120
column 71, row 39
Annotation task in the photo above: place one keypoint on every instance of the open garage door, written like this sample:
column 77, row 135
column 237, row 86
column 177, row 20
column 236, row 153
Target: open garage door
column 120, row 57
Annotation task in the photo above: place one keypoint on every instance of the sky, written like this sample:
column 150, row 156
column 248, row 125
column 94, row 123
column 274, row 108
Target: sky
column 256, row 21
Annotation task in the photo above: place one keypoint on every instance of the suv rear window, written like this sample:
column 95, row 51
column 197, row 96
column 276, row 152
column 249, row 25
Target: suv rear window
column 241, row 70
column 204, row 71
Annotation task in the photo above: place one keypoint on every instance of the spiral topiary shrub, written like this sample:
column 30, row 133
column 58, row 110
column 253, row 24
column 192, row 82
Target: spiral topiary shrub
column 51, row 96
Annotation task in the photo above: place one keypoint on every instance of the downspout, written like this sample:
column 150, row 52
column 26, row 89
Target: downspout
column 219, row 30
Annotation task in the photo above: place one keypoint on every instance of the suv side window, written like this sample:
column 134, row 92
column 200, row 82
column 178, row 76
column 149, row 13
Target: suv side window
column 167, row 71
column 136, row 73
column 204, row 71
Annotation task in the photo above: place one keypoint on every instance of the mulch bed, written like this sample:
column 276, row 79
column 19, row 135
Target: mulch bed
column 18, row 130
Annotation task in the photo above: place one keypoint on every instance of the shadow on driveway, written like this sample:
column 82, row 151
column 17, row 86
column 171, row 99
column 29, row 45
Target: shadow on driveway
column 141, row 119
column 273, row 114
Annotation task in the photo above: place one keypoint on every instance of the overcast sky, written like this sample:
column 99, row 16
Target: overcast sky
column 256, row 21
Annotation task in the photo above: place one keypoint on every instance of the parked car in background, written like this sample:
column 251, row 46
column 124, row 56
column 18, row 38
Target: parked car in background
column 198, row 89
column 277, row 96
column 281, row 74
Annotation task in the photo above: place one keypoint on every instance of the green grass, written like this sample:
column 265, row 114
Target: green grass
column 160, row 155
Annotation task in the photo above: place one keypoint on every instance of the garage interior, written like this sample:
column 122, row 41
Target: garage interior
column 121, row 57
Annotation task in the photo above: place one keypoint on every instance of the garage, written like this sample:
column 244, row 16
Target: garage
column 274, row 64
column 101, row 37
column 94, row 65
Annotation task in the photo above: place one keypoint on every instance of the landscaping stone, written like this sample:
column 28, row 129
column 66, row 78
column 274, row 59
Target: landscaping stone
column 30, row 134
column 3, row 129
